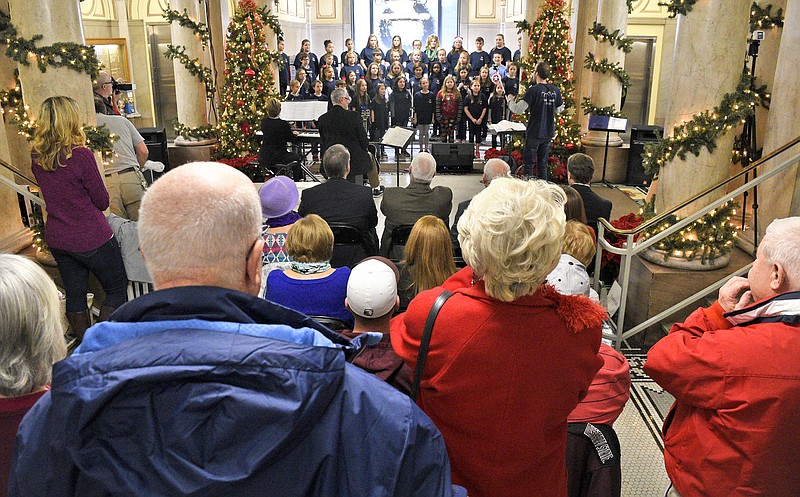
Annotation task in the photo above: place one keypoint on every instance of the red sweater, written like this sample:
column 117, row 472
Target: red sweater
column 501, row 379
column 12, row 410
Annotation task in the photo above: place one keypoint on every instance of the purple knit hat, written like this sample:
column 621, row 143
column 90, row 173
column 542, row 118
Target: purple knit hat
column 279, row 197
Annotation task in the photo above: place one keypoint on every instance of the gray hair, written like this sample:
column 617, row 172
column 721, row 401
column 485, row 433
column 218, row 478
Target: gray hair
column 199, row 221
column 422, row 168
column 102, row 78
column 495, row 168
column 338, row 94
column 31, row 326
column 336, row 160
column 781, row 244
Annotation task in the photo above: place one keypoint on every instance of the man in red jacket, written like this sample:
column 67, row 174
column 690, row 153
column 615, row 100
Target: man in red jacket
column 734, row 369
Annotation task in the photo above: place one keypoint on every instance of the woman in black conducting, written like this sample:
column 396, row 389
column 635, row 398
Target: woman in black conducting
column 277, row 133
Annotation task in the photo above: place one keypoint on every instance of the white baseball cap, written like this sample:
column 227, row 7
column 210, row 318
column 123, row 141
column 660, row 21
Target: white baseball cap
column 372, row 289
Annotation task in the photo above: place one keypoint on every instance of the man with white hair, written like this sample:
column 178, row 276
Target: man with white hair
column 734, row 369
column 103, row 90
column 404, row 206
column 494, row 168
column 202, row 388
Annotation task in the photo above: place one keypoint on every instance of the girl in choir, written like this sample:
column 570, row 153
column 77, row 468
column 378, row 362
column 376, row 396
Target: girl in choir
column 424, row 108
column 305, row 64
column 441, row 56
column 351, row 65
column 313, row 63
column 436, row 77
column 400, row 105
column 414, row 80
column 498, row 108
column 360, row 104
column 349, row 47
column 328, row 83
column 305, row 86
column 329, row 51
column 374, row 78
column 475, row 109
column 351, row 84
column 462, row 85
column 366, row 53
column 448, row 109
column 455, row 52
column 396, row 71
column 379, row 115
column 432, row 47
column 462, row 63
column 414, row 59
column 511, row 81
column 397, row 45
column 417, row 45
column 294, row 92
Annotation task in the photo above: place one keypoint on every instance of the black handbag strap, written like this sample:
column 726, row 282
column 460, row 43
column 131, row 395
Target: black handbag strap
column 426, row 340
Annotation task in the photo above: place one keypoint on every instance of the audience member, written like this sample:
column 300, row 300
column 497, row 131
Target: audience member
column 126, row 233
column 279, row 197
column 338, row 201
column 123, row 177
column 427, row 259
column 202, row 388
column 569, row 276
column 31, row 340
column 733, row 369
column 406, row 205
column 574, row 208
column 580, row 169
column 494, row 168
column 503, row 415
column 76, row 229
column 372, row 298
column 276, row 134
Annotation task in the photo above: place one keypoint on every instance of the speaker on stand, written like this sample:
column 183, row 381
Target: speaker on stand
column 640, row 136
column 453, row 157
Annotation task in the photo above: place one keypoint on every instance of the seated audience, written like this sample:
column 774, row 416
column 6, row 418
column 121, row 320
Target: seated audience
column 276, row 134
column 339, row 201
column 310, row 285
column 574, row 208
column 372, row 298
column 406, row 205
column 31, row 340
column 570, row 276
column 279, row 197
column 503, row 415
column 734, row 370
column 202, row 388
column 494, row 168
column 580, row 169
column 427, row 259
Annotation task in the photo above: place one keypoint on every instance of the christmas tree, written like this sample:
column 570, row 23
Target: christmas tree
column 249, row 83
column 549, row 42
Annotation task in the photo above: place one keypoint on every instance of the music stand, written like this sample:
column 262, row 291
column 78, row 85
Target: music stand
column 398, row 138
column 607, row 124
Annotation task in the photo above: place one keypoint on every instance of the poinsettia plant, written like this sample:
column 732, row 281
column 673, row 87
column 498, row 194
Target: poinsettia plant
column 249, row 166
column 627, row 222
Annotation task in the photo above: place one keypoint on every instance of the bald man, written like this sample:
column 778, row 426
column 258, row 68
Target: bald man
column 494, row 168
column 202, row 388
column 103, row 91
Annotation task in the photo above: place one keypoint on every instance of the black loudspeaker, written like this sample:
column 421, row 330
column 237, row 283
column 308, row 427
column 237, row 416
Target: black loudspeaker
column 156, row 141
column 641, row 135
column 453, row 157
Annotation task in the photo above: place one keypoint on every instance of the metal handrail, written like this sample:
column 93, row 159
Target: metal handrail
column 17, row 188
column 660, row 217
column 17, row 172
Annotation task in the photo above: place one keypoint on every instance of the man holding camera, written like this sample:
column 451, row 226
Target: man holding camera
column 104, row 92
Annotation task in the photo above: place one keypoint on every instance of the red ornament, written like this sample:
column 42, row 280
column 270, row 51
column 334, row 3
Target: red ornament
column 260, row 88
column 569, row 146
column 240, row 102
column 227, row 72
column 246, row 128
column 249, row 73
column 561, row 122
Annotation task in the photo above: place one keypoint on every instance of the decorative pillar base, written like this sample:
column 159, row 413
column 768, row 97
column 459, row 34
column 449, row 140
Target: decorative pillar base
column 598, row 139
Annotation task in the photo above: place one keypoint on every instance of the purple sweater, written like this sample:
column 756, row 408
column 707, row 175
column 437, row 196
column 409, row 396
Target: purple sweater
column 76, row 198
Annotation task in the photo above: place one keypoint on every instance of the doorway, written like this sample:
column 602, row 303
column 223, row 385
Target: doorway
column 639, row 66
column 164, row 96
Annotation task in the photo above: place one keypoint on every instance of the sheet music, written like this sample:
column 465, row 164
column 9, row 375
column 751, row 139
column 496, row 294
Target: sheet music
column 506, row 125
column 397, row 136
column 308, row 110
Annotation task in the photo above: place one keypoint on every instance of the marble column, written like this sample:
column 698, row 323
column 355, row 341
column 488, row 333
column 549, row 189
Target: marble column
column 606, row 88
column 191, row 92
column 783, row 125
column 55, row 20
column 218, row 20
column 584, row 43
column 707, row 63
column 766, row 64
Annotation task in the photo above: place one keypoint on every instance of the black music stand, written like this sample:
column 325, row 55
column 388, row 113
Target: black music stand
column 607, row 124
column 398, row 138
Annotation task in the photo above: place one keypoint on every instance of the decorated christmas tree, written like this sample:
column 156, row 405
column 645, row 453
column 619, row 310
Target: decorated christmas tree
column 549, row 42
column 249, row 83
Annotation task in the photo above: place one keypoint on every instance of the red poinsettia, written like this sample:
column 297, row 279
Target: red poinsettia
column 627, row 222
column 492, row 153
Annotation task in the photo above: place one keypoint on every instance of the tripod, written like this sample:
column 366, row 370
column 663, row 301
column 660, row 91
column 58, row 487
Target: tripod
column 749, row 144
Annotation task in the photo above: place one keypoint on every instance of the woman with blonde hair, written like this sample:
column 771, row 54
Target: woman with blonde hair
column 509, row 357
column 76, row 229
column 427, row 260
column 31, row 340
column 276, row 134
column 431, row 47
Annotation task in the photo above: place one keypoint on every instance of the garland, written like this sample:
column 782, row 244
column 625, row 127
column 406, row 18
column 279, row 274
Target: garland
column 630, row 6
column 763, row 18
column 705, row 128
column 603, row 66
column 198, row 28
column 194, row 67
column 609, row 110
column 273, row 22
column 615, row 39
column 205, row 132
column 676, row 7
column 72, row 55
column 100, row 139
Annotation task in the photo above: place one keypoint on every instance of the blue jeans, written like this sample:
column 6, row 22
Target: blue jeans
column 536, row 153
column 105, row 262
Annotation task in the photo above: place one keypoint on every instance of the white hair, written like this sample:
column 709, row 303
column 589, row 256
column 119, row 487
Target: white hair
column 511, row 235
column 422, row 168
column 338, row 94
column 31, row 326
column 781, row 244
column 495, row 168
column 197, row 220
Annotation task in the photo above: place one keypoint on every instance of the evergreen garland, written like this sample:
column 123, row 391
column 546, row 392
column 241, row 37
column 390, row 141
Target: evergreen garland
column 194, row 67
column 588, row 108
column 603, row 66
column 615, row 39
column 763, row 18
column 678, row 7
column 703, row 130
column 72, row 55
column 630, row 6
column 205, row 132
column 100, row 139
column 183, row 19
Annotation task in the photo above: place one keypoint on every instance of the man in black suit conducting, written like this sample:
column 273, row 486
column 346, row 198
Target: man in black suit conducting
column 580, row 169
column 340, row 126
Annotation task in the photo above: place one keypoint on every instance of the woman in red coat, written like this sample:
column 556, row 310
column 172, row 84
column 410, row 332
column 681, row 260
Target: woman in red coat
column 509, row 357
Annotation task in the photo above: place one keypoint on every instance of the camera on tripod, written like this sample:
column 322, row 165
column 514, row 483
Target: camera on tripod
column 120, row 87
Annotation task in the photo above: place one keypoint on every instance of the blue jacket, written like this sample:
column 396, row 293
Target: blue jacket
column 203, row 391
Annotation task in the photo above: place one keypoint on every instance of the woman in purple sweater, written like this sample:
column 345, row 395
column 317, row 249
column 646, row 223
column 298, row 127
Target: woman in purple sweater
column 76, row 229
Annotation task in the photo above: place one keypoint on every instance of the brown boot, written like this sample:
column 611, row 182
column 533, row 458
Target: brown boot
column 79, row 322
column 105, row 313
